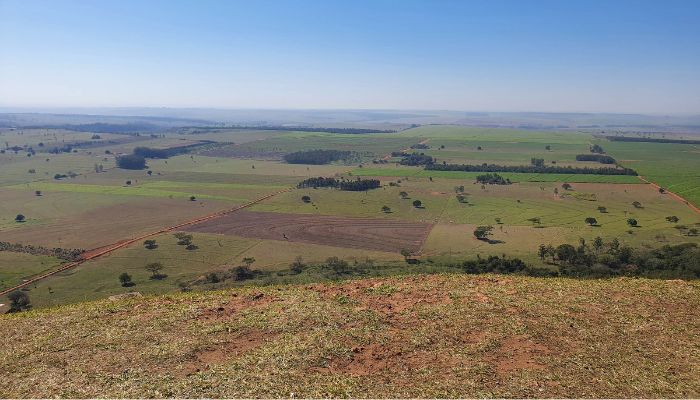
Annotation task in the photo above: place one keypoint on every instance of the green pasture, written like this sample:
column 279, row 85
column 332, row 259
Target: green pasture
column 140, row 190
column 515, row 205
column 368, row 145
column 218, row 165
column 49, row 137
column 237, row 136
column 16, row 267
column 216, row 253
column 16, row 168
column 465, row 134
column 670, row 165
column 419, row 172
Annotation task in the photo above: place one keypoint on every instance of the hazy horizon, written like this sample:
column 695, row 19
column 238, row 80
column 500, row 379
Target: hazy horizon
column 506, row 56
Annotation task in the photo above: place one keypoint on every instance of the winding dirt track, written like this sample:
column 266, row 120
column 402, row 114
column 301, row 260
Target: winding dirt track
column 93, row 254
column 350, row 232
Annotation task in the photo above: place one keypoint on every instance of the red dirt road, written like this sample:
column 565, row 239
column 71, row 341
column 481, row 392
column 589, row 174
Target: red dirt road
column 95, row 253
column 675, row 196
column 360, row 233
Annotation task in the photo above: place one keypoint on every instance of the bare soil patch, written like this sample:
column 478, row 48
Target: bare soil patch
column 235, row 305
column 517, row 353
column 361, row 233
column 221, row 353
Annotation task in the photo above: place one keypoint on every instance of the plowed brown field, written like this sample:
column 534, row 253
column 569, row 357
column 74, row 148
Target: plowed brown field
column 362, row 233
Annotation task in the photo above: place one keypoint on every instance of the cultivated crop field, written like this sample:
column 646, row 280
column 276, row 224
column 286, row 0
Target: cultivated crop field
column 93, row 204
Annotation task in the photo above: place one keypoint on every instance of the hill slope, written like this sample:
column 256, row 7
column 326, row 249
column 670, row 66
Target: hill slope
column 435, row 336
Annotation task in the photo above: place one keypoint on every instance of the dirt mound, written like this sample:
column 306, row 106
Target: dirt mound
column 361, row 233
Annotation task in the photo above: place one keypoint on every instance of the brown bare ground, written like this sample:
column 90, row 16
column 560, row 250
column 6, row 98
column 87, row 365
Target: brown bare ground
column 404, row 337
column 361, row 233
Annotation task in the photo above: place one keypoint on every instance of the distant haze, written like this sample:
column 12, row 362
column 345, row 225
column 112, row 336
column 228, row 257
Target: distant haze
column 513, row 56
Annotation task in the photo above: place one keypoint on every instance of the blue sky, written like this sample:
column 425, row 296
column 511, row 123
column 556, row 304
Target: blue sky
column 578, row 56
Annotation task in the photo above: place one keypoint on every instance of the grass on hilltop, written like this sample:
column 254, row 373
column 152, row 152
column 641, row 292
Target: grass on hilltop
column 420, row 336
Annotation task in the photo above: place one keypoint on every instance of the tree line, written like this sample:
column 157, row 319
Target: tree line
column 492, row 179
column 150, row 152
column 63, row 254
column 601, row 158
column 414, row 159
column 531, row 169
column 137, row 160
column 101, row 127
column 350, row 131
column 317, row 157
column 601, row 259
column 357, row 185
column 650, row 140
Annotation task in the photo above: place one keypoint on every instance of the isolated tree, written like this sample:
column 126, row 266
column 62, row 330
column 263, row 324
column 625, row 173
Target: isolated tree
column 183, row 239
column 602, row 209
column 131, row 161
column 386, row 209
column 461, row 198
column 248, row 261
column 548, row 147
column 193, row 198
column 637, row 204
column 191, row 247
column 403, row 195
column 154, row 269
column 483, row 232
column 556, row 190
column 128, row 183
column 20, row 218
column 298, row 265
column 672, row 219
column 149, row 172
column 498, row 220
column 662, row 190
column 242, row 273
column 542, row 251
column 566, row 253
column 37, row 192
column 535, row 220
column 597, row 149
column 598, row 244
column 417, row 204
column 591, row 221
column 125, row 280
column 479, row 148
column 631, row 222
column 150, row 244
column 406, row 254
column 537, row 162
column 19, row 301
column 566, row 186
column 551, row 251
column 306, row 199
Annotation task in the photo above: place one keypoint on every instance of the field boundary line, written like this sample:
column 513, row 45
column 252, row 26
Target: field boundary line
column 104, row 250
column 674, row 195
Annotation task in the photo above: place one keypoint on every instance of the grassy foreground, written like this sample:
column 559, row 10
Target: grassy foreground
column 418, row 336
